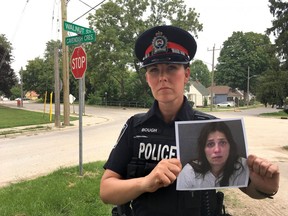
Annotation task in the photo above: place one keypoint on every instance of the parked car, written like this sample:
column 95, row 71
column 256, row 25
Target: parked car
column 226, row 104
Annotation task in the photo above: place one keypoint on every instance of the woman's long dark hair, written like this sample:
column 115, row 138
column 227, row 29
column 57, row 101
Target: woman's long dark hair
column 204, row 166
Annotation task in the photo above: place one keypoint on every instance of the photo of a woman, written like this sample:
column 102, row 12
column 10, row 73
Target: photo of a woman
column 218, row 163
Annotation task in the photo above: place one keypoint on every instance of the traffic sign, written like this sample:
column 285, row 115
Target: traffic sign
column 80, row 39
column 78, row 62
column 76, row 28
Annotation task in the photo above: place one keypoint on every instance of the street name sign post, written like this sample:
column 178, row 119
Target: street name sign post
column 79, row 66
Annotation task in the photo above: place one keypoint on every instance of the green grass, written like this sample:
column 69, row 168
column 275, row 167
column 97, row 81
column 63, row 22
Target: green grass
column 17, row 117
column 61, row 193
column 279, row 114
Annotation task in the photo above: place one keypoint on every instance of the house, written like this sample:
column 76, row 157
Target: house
column 225, row 93
column 32, row 95
column 197, row 93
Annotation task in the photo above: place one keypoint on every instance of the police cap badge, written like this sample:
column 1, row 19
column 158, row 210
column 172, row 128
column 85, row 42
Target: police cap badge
column 165, row 44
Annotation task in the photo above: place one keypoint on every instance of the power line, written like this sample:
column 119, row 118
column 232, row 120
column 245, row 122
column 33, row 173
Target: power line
column 89, row 11
column 85, row 4
column 212, row 77
column 53, row 16
column 17, row 27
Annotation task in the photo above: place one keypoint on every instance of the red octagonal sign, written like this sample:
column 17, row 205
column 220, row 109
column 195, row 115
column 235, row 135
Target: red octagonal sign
column 78, row 62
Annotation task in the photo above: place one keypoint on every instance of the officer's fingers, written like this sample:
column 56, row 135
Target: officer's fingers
column 254, row 164
column 172, row 165
column 250, row 160
column 272, row 169
column 176, row 162
column 165, row 173
column 175, row 169
column 167, row 178
column 263, row 167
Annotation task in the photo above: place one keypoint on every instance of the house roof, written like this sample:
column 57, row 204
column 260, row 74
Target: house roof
column 219, row 89
column 202, row 89
column 226, row 90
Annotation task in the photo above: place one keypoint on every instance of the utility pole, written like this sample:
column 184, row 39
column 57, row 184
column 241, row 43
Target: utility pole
column 57, row 88
column 248, row 85
column 65, row 67
column 22, row 94
column 212, row 78
column 248, row 78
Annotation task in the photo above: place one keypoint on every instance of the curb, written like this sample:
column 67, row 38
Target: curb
column 88, row 120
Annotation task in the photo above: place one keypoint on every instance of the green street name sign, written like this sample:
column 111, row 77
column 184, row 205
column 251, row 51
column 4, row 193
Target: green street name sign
column 80, row 39
column 76, row 28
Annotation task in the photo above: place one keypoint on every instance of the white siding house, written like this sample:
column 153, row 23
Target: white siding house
column 197, row 93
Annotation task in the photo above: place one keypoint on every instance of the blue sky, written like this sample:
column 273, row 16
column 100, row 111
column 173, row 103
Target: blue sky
column 31, row 25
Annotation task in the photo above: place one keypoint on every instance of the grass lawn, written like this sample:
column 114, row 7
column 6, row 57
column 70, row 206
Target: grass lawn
column 279, row 114
column 11, row 117
column 61, row 193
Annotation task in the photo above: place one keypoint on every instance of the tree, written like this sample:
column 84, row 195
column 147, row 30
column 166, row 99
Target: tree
column 200, row 72
column 279, row 10
column 117, row 24
column 273, row 87
column 240, row 52
column 8, row 77
column 38, row 76
column 39, row 73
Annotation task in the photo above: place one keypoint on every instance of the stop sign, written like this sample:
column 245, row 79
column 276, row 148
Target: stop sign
column 78, row 62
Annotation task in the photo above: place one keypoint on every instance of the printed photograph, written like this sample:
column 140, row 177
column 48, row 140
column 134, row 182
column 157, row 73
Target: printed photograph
column 213, row 154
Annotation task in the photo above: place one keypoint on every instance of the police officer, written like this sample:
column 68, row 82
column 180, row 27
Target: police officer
column 142, row 167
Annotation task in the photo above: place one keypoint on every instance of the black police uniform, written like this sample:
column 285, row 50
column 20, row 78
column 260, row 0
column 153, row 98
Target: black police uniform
column 143, row 142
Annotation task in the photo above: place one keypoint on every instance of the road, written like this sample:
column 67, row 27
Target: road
column 38, row 153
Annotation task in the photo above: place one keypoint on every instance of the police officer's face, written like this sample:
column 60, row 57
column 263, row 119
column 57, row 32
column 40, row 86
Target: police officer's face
column 217, row 149
column 167, row 81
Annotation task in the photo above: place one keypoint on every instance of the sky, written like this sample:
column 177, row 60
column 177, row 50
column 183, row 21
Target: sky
column 30, row 24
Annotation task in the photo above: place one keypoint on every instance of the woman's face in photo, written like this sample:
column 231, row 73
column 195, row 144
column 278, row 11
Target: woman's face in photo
column 217, row 149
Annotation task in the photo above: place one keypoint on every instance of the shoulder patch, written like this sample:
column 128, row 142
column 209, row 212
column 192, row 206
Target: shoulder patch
column 122, row 132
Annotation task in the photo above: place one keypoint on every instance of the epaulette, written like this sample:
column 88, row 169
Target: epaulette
column 138, row 118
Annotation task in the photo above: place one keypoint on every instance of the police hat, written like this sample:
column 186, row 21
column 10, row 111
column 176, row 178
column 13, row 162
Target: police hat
column 165, row 44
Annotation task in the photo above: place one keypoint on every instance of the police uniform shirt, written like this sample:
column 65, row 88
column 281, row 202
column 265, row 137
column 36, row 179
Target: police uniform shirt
column 144, row 141
column 189, row 179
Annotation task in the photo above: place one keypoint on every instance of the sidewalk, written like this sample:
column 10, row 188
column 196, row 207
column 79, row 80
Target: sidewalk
column 87, row 120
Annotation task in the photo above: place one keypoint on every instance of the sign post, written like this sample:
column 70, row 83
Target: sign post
column 78, row 66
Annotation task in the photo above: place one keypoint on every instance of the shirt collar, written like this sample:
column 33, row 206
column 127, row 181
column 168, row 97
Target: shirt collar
column 185, row 112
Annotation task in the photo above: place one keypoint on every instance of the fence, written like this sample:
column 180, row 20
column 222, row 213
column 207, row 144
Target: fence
column 125, row 104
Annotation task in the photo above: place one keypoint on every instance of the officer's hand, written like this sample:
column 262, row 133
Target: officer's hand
column 263, row 174
column 164, row 174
